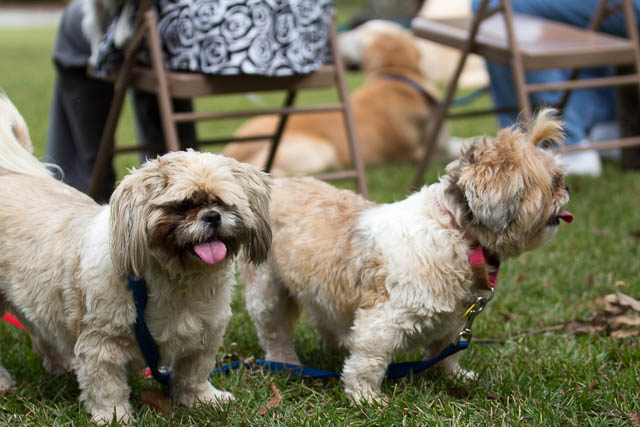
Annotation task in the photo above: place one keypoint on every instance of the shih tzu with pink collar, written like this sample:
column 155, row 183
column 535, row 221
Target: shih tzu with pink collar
column 382, row 279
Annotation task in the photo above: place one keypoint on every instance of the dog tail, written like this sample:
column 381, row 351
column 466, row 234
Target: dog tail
column 15, row 144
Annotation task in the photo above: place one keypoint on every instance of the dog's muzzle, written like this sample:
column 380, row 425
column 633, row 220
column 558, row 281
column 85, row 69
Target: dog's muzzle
column 212, row 218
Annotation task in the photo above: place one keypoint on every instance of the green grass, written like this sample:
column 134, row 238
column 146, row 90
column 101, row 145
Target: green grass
column 550, row 379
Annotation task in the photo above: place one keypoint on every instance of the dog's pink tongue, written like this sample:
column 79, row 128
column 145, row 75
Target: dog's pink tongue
column 211, row 252
column 565, row 216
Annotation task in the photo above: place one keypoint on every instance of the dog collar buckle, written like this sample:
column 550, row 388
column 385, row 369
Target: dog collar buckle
column 476, row 307
column 484, row 281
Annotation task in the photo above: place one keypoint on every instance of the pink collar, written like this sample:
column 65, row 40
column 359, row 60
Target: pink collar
column 478, row 258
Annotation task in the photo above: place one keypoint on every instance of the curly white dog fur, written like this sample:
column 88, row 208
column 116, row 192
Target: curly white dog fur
column 178, row 221
column 381, row 279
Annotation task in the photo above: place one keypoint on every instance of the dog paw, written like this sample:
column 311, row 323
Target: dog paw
column 56, row 366
column 368, row 397
column 465, row 375
column 6, row 382
column 209, row 395
column 106, row 416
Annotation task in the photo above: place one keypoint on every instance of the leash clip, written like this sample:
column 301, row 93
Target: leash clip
column 476, row 307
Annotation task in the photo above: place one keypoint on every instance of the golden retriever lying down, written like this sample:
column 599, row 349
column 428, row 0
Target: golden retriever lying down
column 391, row 111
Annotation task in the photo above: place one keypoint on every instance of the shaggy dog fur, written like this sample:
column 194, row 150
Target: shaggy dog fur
column 391, row 117
column 382, row 279
column 178, row 222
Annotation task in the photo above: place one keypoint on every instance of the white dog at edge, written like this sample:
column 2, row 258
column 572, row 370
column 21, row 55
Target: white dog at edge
column 178, row 221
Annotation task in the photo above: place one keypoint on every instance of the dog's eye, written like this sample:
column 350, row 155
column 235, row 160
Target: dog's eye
column 546, row 144
column 218, row 202
column 185, row 206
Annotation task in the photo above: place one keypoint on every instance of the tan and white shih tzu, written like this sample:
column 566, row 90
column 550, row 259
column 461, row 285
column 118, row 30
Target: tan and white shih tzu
column 178, row 221
column 382, row 279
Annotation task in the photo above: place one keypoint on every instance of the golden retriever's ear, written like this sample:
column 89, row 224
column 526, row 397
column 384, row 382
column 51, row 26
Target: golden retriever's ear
column 490, row 177
column 257, row 187
column 129, row 212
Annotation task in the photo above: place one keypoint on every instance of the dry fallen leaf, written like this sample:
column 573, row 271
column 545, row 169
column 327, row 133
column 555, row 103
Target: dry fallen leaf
column 635, row 234
column 492, row 395
column 581, row 328
column 635, row 418
column 624, row 320
column 626, row 301
column 457, row 392
column 610, row 304
column 275, row 400
column 625, row 333
column 156, row 400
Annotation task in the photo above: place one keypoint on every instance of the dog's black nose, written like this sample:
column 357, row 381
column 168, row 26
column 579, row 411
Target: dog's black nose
column 212, row 217
column 566, row 187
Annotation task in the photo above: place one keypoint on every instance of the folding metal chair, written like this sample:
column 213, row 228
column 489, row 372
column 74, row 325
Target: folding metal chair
column 496, row 34
column 167, row 84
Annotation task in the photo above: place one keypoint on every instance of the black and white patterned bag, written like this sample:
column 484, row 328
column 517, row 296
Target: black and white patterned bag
column 266, row 37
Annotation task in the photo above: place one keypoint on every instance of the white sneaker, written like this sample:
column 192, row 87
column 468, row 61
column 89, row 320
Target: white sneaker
column 582, row 162
column 604, row 131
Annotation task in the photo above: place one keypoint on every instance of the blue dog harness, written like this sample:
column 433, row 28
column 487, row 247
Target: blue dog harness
column 146, row 343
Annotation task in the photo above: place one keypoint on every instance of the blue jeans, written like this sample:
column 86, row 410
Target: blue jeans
column 586, row 107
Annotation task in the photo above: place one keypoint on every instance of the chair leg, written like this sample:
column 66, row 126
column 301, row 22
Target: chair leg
column 442, row 110
column 516, row 63
column 632, row 32
column 438, row 120
column 169, row 127
column 277, row 136
column 343, row 94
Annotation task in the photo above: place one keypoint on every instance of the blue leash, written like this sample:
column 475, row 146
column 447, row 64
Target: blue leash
column 151, row 354
column 146, row 343
column 395, row 370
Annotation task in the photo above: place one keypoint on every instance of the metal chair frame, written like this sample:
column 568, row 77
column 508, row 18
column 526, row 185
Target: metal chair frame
column 168, row 84
column 508, row 51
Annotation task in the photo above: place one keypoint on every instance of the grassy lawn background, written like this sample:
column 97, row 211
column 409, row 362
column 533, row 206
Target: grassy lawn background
column 548, row 379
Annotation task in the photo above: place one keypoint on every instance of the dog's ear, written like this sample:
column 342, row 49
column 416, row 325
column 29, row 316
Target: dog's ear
column 489, row 175
column 546, row 129
column 257, row 187
column 129, row 211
